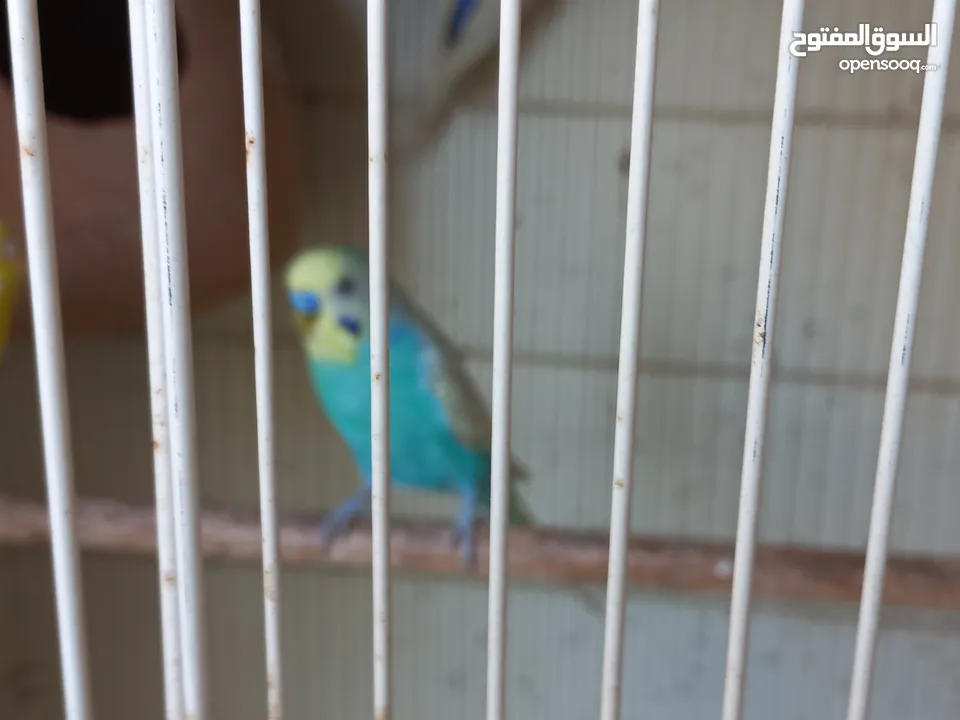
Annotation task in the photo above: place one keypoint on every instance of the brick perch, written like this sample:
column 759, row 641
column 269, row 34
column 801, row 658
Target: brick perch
column 547, row 555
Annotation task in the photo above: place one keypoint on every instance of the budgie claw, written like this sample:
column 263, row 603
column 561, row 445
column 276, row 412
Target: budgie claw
column 340, row 518
column 464, row 532
column 463, row 536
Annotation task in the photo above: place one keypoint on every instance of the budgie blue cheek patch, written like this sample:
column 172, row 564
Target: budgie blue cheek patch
column 351, row 325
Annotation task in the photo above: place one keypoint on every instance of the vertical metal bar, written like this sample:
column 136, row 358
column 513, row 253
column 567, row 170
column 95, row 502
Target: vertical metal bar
column 631, row 311
column 379, row 352
column 250, row 47
column 761, row 358
column 171, row 227
column 502, row 352
column 48, row 340
column 163, row 490
column 898, row 376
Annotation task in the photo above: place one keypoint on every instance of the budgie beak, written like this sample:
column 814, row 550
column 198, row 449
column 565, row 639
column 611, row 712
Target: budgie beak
column 304, row 322
column 306, row 309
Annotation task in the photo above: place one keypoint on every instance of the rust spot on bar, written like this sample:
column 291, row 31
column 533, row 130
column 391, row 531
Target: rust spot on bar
column 251, row 141
column 618, row 483
column 169, row 578
column 377, row 376
column 27, row 150
column 759, row 335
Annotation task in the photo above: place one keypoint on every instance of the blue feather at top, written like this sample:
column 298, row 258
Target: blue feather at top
column 463, row 10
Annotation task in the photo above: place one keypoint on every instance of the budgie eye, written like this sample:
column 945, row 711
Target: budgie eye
column 346, row 286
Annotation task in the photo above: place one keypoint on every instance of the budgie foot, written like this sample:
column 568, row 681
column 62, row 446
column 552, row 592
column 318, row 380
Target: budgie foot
column 463, row 534
column 339, row 519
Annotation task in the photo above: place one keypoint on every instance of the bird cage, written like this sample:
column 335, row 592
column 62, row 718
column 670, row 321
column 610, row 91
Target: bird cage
column 182, row 528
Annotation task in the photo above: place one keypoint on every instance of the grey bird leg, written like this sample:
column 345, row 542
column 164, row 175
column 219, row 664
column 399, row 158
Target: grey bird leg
column 463, row 533
column 339, row 519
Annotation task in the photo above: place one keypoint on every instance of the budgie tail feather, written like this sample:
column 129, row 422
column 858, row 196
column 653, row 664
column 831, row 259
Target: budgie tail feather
column 519, row 512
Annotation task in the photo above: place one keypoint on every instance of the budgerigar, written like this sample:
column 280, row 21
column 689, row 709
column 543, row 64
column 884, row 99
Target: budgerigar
column 439, row 424
column 11, row 277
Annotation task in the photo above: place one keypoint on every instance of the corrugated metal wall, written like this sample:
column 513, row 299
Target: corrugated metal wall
column 853, row 157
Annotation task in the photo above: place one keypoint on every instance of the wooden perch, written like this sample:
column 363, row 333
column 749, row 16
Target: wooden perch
column 548, row 555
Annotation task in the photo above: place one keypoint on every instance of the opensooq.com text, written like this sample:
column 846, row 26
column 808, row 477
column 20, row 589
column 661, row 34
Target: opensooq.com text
column 853, row 65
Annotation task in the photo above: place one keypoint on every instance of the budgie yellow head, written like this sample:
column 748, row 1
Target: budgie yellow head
column 11, row 275
column 328, row 290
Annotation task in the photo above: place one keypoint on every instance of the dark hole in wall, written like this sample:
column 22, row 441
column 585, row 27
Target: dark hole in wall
column 85, row 52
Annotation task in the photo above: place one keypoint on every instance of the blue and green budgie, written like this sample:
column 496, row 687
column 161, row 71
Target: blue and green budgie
column 439, row 425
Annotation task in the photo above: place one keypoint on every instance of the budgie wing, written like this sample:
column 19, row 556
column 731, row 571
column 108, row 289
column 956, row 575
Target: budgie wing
column 444, row 371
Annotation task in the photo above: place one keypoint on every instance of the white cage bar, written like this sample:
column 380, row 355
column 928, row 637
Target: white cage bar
column 508, row 85
column 377, row 101
column 638, row 186
column 254, row 143
column 48, row 341
column 178, row 348
column 163, row 489
column 901, row 349
column 761, row 358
